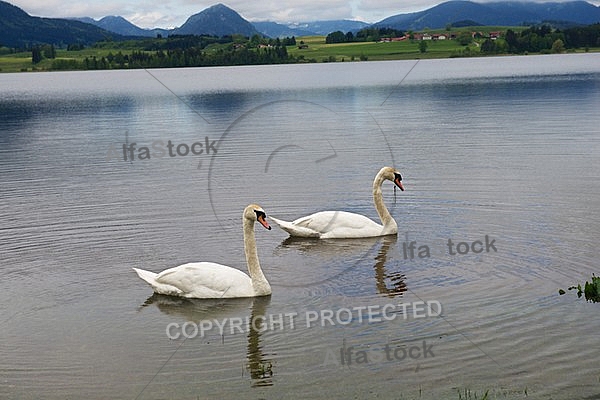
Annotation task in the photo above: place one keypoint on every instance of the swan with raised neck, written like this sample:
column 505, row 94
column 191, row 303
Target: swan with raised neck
column 207, row 280
column 342, row 224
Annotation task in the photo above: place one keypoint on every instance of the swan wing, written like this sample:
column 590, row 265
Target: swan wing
column 206, row 280
column 295, row 230
column 340, row 224
column 332, row 225
column 326, row 221
column 160, row 288
column 343, row 225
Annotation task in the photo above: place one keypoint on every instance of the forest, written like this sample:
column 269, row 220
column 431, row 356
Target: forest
column 544, row 39
column 535, row 39
column 180, row 51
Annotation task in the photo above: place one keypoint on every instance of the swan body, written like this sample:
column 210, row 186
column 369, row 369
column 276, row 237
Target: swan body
column 346, row 225
column 333, row 225
column 207, row 280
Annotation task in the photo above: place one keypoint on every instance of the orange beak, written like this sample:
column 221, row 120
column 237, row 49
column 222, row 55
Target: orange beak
column 264, row 222
column 398, row 183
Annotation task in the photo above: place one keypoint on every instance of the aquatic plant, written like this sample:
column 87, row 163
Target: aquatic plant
column 591, row 290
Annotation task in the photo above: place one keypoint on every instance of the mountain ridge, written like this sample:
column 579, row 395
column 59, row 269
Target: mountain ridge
column 19, row 29
column 508, row 13
column 120, row 25
column 216, row 20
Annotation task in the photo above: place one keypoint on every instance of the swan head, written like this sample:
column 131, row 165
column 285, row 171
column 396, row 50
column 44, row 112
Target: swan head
column 393, row 175
column 254, row 213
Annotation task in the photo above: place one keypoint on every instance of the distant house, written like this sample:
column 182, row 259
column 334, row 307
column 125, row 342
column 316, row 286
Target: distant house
column 434, row 36
column 394, row 39
column 495, row 35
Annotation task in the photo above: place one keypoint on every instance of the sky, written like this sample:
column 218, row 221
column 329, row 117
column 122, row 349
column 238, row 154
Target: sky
column 173, row 13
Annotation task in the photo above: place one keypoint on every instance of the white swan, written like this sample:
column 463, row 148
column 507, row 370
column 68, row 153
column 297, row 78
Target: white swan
column 207, row 280
column 345, row 225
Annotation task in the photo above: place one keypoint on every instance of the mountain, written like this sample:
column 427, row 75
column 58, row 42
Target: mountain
column 326, row 27
column 218, row 20
column 276, row 30
column 19, row 29
column 123, row 27
column 579, row 12
column 497, row 13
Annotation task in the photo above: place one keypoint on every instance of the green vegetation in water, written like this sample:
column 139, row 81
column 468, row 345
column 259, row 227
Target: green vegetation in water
column 468, row 395
column 493, row 393
column 591, row 290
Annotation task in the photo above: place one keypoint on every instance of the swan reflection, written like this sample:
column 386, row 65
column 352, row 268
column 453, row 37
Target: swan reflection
column 396, row 278
column 329, row 247
column 198, row 309
column 260, row 367
column 356, row 252
column 258, row 364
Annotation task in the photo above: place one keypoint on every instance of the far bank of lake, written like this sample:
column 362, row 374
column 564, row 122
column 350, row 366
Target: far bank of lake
column 173, row 53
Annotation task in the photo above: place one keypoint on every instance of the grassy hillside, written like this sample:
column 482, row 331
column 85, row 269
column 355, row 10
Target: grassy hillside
column 19, row 62
column 318, row 51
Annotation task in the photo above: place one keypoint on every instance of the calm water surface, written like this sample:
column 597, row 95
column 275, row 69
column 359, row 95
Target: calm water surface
column 500, row 147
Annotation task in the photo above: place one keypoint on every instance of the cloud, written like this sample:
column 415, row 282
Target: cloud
column 175, row 12
column 153, row 20
column 68, row 9
column 292, row 10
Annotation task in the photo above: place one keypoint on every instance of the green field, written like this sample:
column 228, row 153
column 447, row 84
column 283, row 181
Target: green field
column 314, row 50
column 318, row 51
column 22, row 61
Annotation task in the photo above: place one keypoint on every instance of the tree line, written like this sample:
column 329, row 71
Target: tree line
column 191, row 57
column 194, row 57
column 544, row 39
column 188, row 51
column 38, row 53
column 363, row 35
column 534, row 39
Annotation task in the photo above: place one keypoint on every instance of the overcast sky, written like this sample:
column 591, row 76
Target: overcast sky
column 173, row 13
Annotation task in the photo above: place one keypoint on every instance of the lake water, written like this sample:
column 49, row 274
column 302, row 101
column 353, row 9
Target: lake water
column 500, row 150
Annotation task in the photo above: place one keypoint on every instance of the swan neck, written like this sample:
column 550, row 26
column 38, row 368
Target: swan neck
column 259, row 282
column 384, row 214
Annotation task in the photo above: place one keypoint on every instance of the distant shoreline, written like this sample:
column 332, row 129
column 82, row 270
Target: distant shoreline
column 305, row 50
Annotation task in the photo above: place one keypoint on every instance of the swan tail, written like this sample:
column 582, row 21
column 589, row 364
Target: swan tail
column 160, row 288
column 147, row 276
column 295, row 230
